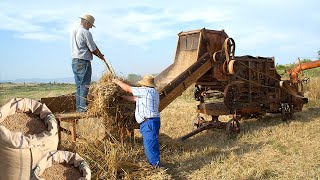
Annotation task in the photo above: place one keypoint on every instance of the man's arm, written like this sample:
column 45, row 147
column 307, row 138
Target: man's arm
column 129, row 98
column 123, row 85
column 98, row 53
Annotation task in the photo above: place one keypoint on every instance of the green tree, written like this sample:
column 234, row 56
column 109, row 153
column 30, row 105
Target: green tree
column 134, row 78
column 319, row 53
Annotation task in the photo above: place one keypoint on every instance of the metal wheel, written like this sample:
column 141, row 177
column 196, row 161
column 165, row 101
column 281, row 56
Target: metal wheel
column 232, row 94
column 229, row 47
column 231, row 67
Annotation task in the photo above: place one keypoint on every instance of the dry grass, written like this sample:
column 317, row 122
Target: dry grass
column 312, row 91
column 266, row 148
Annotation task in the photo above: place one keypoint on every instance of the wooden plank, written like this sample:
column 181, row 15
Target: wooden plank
column 66, row 116
column 66, row 103
column 73, row 131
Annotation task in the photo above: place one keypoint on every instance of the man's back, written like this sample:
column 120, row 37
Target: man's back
column 82, row 44
column 147, row 103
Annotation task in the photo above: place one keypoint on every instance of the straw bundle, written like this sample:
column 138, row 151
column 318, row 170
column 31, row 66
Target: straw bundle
column 105, row 101
column 25, row 123
column 61, row 172
column 114, row 160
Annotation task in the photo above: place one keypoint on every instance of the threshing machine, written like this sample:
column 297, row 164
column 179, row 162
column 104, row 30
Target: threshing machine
column 246, row 85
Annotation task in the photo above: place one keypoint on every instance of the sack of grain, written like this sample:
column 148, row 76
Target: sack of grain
column 61, row 165
column 20, row 151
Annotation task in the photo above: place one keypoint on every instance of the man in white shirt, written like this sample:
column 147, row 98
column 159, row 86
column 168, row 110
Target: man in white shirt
column 82, row 48
column 146, row 114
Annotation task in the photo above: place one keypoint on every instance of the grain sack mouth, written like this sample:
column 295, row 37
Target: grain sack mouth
column 61, row 165
column 38, row 130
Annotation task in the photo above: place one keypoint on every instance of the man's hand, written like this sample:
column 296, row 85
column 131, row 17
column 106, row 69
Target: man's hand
column 102, row 57
column 115, row 81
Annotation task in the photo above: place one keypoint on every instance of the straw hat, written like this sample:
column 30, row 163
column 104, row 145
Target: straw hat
column 148, row 81
column 88, row 18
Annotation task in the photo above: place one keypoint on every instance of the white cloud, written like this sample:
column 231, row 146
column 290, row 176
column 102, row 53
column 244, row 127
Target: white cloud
column 132, row 25
column 17, row 25
column 142, row 22
column 40, row 36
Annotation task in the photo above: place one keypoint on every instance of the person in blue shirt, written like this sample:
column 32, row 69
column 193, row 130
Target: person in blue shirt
column 146, row 114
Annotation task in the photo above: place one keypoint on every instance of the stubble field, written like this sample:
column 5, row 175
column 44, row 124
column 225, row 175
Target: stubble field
column 266, row 148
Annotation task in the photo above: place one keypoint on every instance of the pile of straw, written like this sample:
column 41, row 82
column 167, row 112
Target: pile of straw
column 25, row 123
column 112, row 157
column 105, row 101
column 114, row 160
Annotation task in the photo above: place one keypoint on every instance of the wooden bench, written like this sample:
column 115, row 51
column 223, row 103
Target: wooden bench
column 72, row 119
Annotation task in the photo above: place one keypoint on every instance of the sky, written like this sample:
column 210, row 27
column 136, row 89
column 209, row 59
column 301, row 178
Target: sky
column 140, row 37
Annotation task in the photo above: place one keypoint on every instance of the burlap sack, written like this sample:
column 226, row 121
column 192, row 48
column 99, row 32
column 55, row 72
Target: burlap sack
column 62, row 157
column 20, row 153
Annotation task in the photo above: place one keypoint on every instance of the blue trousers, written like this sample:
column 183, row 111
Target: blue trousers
column 82, row 75
column 150, row 133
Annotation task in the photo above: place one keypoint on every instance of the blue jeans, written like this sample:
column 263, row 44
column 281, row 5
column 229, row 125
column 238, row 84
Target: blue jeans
column 150, row 132
column 82, row 75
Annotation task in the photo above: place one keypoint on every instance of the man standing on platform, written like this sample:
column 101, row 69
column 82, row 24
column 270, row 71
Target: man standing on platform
column 82, row 48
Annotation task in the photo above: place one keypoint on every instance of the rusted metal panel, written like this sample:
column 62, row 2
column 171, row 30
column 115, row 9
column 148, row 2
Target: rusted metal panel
column 214, row 109
column 60, row 104
column 192, row 47
column 182, row 82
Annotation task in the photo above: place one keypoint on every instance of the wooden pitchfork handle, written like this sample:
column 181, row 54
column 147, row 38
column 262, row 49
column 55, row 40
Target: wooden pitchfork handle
column 108, row 66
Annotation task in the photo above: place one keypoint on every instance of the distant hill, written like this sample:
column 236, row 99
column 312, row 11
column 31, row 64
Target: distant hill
column 41, row 80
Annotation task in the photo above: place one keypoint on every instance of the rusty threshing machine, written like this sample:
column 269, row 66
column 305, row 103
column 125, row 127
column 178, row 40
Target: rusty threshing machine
column 247, row 86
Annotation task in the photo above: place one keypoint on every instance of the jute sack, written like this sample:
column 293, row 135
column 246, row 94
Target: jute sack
column 61, row 157
column 20, row 153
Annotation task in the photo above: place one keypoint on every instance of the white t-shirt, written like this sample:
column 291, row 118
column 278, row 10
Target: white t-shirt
column 147, row 103
column 82, row 44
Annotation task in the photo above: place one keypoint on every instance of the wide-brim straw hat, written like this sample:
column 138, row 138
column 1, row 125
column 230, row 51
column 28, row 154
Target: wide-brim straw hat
column 88, row 18
column 148, row 81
